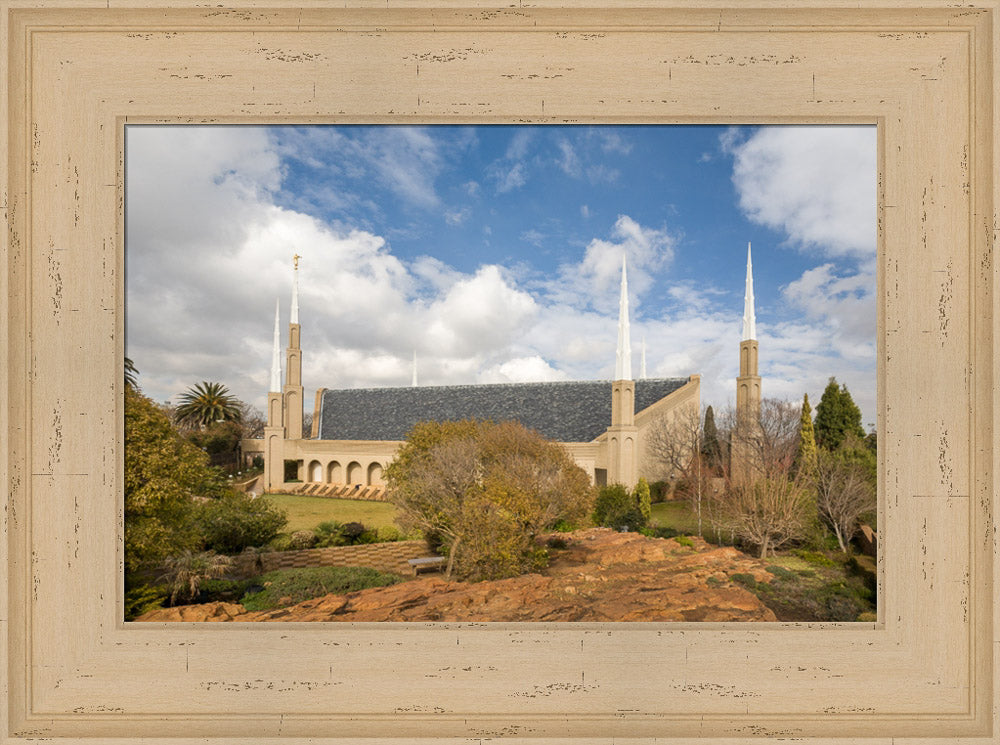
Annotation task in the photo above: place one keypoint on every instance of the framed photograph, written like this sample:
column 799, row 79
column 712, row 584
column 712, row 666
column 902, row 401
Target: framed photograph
column 75, row 75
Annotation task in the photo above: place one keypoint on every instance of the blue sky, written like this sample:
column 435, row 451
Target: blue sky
column 494, row 252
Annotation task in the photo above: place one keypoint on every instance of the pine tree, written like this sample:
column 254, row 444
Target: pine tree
column 710, row 439
column 837, row 416
column 807, row 453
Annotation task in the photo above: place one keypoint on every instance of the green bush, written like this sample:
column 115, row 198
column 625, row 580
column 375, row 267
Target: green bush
column 814, row 557
column 747, row 580
column 658, row 491
column 685, row 540
column 224, row 590
column 618, row 508
column 234, row 522
column 297, row 585
column 144, row 598
column 281, row 542
column 782, row 573
column 389, row 534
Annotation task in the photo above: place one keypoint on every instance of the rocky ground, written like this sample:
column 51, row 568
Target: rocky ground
column 600, row 575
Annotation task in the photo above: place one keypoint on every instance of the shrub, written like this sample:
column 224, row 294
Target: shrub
column 747, row 580
column 184, row 573
column 227, row 590
column 641, row 496
column 685, row 540
column 814, row 557
column 233, row 522
column 144, row 598
column 297, row 585
column 782, row 573
column 617, row 508
column 658, row 491
column 301, row 539
column 389, row 534
column 282, row 542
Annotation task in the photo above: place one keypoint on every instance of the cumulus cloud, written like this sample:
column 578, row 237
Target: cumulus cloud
column 590, row 282
column 814, row 183
column 522, row 370
column 209, row 248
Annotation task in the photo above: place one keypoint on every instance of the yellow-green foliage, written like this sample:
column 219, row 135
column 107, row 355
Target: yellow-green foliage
column 484, row 490
column 162, row 472
column 642, row 499
column 807, row 453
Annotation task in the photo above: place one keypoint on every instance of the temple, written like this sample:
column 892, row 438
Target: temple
column 356, row 432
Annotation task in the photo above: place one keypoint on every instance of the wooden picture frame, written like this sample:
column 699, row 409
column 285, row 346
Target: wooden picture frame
column 76, row 71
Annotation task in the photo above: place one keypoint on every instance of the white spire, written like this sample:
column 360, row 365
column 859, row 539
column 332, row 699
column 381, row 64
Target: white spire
column 414, row 368
column 749, row 320
column 276, row 354
column 623, row 357
column 294, row 317
column 642, row 364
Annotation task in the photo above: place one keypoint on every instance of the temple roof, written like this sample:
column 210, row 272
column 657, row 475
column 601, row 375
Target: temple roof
column 566, row 412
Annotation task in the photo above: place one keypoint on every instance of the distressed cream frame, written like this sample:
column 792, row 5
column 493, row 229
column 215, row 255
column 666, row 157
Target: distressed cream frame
column 76, row 71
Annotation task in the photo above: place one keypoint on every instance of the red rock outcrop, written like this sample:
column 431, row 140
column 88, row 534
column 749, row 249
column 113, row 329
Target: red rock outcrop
column 601, row 575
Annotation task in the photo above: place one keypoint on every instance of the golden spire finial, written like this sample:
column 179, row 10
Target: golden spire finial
column 296, row 258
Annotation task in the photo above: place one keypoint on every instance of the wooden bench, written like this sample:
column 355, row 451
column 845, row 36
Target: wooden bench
column 427, row 564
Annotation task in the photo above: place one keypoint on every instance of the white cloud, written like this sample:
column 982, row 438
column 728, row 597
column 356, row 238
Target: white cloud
column 569, row 161
column 202, row 288
column 534, row 237
column 509, row 177
column 458, row 216
column 591, row 281
column 522, row 370
column 815, row 183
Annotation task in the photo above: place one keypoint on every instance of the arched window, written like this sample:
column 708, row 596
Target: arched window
column 354, row 473
column 315, row 472
column 335, row 473
column 375, row 475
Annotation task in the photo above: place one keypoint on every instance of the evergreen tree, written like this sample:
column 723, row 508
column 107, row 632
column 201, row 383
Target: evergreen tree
column 837, row 416
column 807, row 453
column 710, row 449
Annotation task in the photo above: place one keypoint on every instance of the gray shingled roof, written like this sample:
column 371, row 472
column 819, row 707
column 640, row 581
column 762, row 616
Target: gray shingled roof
column 566, row 412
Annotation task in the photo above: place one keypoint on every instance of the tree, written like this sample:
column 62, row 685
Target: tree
column 252, row 421
column 207, row 402
column 763, row 504
column 767, row 443
column 674, row 447
column 162, row 473
column 174, row 501
column 485, row 491
column 806, row 454
column 767, row 512
column 131, row 374
column 844, row 492
column 711, row 451
column 837, row 416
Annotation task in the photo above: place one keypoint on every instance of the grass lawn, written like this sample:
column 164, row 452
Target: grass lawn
column 305, row 513
column 676, row 515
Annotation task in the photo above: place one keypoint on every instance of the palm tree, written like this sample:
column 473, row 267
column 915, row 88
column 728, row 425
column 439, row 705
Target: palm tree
column 131, row 375
column 184, row 574
column 207, row 402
